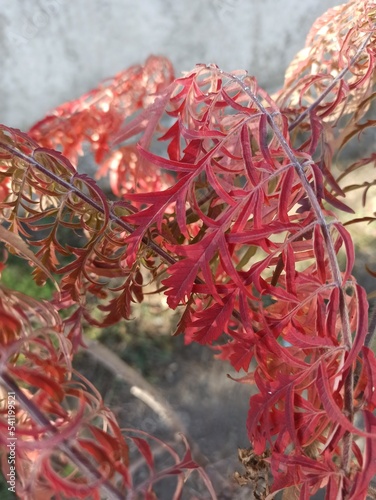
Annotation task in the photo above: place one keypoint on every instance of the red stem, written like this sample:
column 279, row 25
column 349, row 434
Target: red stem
column 333, row 263
column 339, row 77
column 69, row 449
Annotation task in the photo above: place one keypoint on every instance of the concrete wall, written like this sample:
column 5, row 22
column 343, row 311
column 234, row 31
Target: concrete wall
column 54, row 50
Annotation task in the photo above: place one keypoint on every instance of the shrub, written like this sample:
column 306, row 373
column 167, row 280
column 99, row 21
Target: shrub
column 227, row 200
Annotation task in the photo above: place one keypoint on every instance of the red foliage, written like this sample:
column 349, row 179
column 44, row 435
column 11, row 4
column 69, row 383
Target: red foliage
column 96, row 117
column 243, row 236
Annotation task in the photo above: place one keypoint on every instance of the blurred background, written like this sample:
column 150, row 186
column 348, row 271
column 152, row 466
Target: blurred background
column 55, row 50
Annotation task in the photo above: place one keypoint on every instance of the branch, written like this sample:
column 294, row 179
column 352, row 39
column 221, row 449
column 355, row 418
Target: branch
column 339, row 77
column 159, row 251
column 371, row 328
column 78, row 458
column 141, row 389
column 168, row 259
column 334, row 267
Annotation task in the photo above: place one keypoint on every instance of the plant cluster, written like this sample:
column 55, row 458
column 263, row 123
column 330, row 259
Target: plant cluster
column 228, row 201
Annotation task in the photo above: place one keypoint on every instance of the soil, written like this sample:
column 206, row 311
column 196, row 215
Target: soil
column 210, row 407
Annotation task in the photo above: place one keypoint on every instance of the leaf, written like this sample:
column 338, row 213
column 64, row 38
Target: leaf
column 247, row 155
column 115, row 447
column 285, row 196
column 97, row 118
column 289, row 260
column 95, row 451
column 20, row 246
column 362, row 327
column 71, row 488
column 212, row 322
column 184, row 272
column 255, row 236
column 37, row 379
column 369, row 361
column 263, row 140
column 316, row 130
column 145, row 450
column 290, row 416
column 318, row 247
column 364, row 477
column 349, row 246
column 332, row 315
column 304, row 341
column 332, row 409
column 335, row 202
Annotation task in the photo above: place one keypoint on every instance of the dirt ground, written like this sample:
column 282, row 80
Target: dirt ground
column 208, row 407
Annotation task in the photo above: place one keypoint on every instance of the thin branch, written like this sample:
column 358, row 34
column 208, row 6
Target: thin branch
column 159, row 251
column 65, row 446
column 142, row 390
column 339, row 77
column 333, row 263
column 168, row 259
column 371, row 328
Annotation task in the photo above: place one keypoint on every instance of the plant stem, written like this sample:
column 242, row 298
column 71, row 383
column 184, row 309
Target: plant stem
column 69, row 449
column 371, row 328
column 333, row 263
column 168, row 259
column 159, row 251
column 339, row 77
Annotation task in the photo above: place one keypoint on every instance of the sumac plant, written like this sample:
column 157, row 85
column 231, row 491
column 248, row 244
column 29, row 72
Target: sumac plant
column 230, row 201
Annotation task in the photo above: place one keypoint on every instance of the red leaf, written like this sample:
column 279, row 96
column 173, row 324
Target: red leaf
column 235, row 105
column 316, row 128
column 247, row 154
column 350, row 253
column 370, row 369
column 70, row 488
column 362, row 327
column 332, row 409
column 319, row 249
column 285, row 196
column 263, row 140
column 213, row 321
column 145, row 450
column 239, row 353
column 290, row 415
column 173, row 149
column 184, row 272
column 364, row 477
column 332, row 315
column 304, row 341
column 116, row 447
column 40, row 380
column 337, row 203
column 95, row 450
column 173, row 165
column 289, row 260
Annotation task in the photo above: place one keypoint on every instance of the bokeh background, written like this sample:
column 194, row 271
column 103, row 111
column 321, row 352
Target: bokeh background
column 55, row 50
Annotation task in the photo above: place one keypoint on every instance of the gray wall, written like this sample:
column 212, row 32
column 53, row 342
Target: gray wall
column 55, row 50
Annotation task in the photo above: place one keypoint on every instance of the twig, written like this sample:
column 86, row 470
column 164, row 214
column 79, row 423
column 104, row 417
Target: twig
column 332, row 85
column 140, row 387
column 159, row 251
column 333, row 263
column 371, row 328
column 65, row 446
